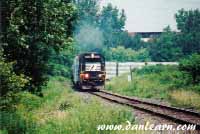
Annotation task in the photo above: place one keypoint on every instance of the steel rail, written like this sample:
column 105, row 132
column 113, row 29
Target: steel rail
column 132, row 102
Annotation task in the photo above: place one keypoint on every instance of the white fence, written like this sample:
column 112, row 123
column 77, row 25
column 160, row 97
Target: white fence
column 114, row 69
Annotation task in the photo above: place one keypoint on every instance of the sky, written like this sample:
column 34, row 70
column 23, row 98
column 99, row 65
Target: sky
column 151, row 15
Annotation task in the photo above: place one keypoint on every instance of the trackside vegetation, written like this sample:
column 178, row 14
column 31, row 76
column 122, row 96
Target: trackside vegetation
column 164, row 83
column 60, row 111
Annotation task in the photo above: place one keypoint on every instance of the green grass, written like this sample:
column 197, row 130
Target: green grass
column 160, row 83
column 62, row 111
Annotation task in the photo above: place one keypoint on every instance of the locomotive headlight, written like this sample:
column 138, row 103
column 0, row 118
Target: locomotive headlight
column 92, row 55
column 101, row 75
column 86, row 76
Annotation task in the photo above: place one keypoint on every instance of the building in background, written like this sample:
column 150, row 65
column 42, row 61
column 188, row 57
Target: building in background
column 146, row 36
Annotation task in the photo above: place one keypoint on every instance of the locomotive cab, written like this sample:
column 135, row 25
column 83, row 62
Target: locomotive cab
column 89, row 71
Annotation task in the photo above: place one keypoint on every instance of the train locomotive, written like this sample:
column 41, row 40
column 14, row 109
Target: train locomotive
column 89, row 71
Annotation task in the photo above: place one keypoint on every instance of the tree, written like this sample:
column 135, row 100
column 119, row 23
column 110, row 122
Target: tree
column 87, row 34
column 165, row 48
column 137, row 43
column 32, row 30
column 112, row 23
column 189, row 36
column 191, row 65
column 87, row 12
column 97, row 28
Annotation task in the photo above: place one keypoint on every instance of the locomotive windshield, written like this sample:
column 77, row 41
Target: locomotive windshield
column 92, row 66
column 93, row 63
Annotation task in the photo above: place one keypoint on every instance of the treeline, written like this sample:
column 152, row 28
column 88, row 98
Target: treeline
column 103, row 30
column 172, row 46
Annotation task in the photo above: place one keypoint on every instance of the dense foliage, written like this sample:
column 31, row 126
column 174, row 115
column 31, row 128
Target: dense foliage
column 172, row 46
column 60, row 64
column 32, row 30
column 191, row 65
column 97, row 29
column 60, row 111
column 9, row 80
column 112, row 23
column 126, row 54
column 165, row 47
column 103, row 30
column 189, row 36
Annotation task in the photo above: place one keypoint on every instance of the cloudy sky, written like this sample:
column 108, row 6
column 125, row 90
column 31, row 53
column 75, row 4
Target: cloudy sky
column 151, row 15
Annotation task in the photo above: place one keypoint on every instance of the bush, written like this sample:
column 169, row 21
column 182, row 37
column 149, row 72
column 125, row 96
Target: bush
column 154, row 69
column 59, row 70
column 123, row 54
column 28, row 101
column 17, row 122
column 10, row 82
column 191, row 66
column 166, row 74
column 18, row 116
column 196, row 88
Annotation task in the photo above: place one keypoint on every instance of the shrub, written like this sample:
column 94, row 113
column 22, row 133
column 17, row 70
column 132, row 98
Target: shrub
column 18, row 116
column 28, row 101
column 59, row 70
column 17, row 122
column 155, row 69
column 191, row 66
column 10, row 82
column 123, row 54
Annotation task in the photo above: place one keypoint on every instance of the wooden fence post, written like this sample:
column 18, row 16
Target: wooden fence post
column 117, row 68
column 131, row 73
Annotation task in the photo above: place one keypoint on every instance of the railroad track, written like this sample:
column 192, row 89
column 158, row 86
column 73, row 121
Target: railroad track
column 177, row 115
